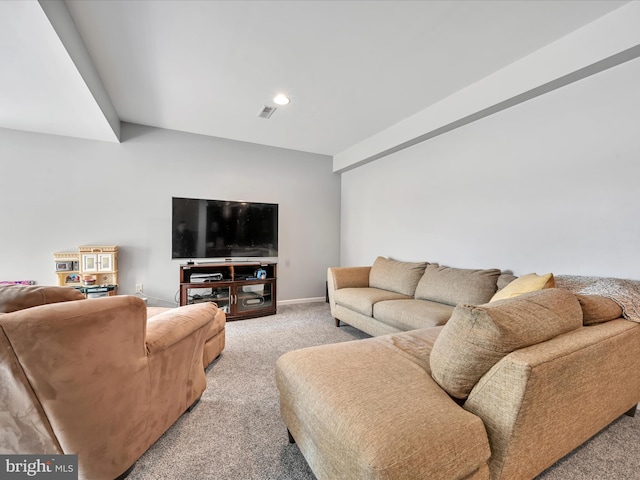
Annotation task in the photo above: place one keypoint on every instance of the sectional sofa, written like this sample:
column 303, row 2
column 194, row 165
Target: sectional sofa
column 501, row 389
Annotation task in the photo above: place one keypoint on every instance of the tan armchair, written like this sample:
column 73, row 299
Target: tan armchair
column 92, row 377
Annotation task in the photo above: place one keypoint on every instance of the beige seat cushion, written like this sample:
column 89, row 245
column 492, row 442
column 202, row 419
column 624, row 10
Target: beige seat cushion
column 457, row 285
column 361, row 300
column 415, row 345
column 476, row 338
column 412, row 314
column 396, row 276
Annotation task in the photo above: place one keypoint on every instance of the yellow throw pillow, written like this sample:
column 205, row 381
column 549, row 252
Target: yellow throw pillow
column 525, row 284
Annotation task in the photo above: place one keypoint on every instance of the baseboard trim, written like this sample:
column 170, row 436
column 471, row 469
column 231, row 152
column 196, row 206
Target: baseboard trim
column 301, row 300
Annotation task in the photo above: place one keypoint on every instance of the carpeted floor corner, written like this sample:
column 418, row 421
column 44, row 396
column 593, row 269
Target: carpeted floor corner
column 235, row 432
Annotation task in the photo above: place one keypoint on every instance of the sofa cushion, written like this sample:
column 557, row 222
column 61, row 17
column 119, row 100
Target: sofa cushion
column 395, row 276
column 457, row 285
column 527, row 283
column 598, row 309
column 477, row 337
column 155, row 311
column 415, row 345
column 19, row 297
column 362, row 299
column 505, row 279
column 412, row 314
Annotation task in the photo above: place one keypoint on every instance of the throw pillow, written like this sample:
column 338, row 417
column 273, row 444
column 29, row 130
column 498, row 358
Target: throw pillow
column 525, row 284
column 452, row 286
column 396, row 276
column 476, row 337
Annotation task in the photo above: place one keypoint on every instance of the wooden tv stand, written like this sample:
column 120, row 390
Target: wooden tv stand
column 239, row 288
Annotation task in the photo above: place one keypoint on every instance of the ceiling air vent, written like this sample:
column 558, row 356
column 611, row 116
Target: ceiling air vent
column 266, row 111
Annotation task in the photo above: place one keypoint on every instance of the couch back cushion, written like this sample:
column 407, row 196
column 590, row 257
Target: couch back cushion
column 476, row 337
column 598, row 309
column 396, row 276
column 505, row 279
column 19, row 297
column 452, row 286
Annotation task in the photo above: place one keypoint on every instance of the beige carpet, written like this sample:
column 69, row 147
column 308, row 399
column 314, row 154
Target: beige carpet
column 235, row 432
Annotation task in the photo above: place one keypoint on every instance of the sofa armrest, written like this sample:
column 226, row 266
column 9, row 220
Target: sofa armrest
column 168, row 328
column 566, row 389
column 345, row 277
column 349, row 277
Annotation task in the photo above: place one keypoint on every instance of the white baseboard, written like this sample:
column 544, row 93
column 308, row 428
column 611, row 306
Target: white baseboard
column 301, row 300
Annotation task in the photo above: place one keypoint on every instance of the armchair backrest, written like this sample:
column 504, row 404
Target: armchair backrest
column 19, row 297
column 24, row 427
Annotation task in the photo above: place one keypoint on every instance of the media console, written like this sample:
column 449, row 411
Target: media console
column 241, row 289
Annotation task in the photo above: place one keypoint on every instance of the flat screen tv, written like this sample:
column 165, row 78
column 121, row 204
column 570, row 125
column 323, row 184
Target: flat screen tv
column 222, row 229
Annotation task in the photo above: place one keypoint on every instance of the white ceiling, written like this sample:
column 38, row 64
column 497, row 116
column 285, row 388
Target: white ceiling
column 351, row 68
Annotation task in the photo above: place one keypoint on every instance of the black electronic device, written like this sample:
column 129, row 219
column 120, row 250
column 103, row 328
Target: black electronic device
column 223, row 229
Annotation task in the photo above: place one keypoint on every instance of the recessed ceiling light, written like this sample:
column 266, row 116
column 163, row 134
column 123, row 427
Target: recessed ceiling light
column 281, row 99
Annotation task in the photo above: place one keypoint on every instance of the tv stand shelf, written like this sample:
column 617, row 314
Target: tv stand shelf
column 241, row 289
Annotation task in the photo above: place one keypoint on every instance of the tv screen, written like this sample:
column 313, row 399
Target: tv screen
column 223, row 229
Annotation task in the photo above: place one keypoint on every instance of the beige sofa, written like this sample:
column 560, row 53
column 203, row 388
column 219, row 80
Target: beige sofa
column 501, row 391
column 94, row 377
column 393, row 296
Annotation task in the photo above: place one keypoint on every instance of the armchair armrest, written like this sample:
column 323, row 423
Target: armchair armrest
column 168, row 328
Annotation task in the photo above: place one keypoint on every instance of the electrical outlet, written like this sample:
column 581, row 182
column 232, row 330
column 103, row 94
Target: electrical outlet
column 139, row 288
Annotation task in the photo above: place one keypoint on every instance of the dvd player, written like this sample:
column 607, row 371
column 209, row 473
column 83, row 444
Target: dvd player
column 205, row 277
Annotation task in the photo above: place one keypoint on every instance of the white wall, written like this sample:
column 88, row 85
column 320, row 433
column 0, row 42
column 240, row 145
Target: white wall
column 610, row 40
column 548, row 185
column 57, row 193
